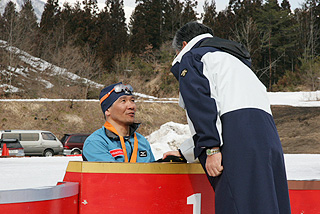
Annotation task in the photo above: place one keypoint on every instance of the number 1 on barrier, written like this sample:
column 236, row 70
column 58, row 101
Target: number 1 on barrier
column 195, row 199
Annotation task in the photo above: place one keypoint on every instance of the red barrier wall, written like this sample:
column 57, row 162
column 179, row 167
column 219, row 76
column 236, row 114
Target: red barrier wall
column 304, row 197
column 162, row 188
column 141, row 188
column 61, row 199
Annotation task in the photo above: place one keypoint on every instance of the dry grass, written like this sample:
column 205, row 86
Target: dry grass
column 298, row 128
column 86, row 117
column 153, row 115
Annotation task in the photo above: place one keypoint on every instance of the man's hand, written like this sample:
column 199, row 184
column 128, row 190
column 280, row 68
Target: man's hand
column 174, row 153
column 213, row 164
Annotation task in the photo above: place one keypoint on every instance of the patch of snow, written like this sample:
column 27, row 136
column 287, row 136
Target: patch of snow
column 303, row 99
column 19, row 71
column 168, row 137
column 144, row 95
column 42, row 65
column 10, row 88
column 46, row 83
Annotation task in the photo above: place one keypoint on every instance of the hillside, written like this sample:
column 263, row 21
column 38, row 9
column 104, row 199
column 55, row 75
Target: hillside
column 29, row 76
column 298, row 127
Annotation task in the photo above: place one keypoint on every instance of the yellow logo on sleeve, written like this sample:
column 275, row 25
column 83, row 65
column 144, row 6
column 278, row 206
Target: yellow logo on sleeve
column 184, row 72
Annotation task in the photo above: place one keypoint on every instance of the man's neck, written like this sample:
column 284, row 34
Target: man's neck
column 122, row 130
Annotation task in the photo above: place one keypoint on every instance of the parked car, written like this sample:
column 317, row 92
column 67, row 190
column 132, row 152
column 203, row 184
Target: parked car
column 13, row 145
column 73, row 143
column 35, row 142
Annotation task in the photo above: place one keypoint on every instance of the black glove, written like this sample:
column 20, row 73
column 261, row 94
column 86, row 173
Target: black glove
column 172, row 158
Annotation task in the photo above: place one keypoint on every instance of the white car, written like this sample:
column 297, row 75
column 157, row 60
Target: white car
column 35, row 142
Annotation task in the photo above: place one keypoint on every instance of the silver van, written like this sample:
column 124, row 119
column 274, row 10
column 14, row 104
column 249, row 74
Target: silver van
column 35, row 142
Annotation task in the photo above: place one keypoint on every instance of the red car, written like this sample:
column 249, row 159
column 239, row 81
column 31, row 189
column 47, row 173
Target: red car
column 73, row 143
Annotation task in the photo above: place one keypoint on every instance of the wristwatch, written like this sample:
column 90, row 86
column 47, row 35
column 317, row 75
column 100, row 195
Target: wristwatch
column 212, row 151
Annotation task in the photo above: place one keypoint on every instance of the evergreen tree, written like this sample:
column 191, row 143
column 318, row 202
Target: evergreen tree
column 28, row 17
column 245, row 10
column 9, row 24
column 309, row 32
column 77, row 17
column 66, row 27
column 10, row 19
column 189, row 11
column 173, row 18
column 234, row 5
column 271, row 23
column 118, row 28
column 245, row 28
column 139, row 39
column 285, row 5
column 312, row 8
column 48, row 18
column 155, row 22
column 28, row 27
column 48, row 44
column 289, row 39
column 210, row 13
column 147, row 23
column 113, row 29
column 104, row 51
column 224, row 23
column 87, row 31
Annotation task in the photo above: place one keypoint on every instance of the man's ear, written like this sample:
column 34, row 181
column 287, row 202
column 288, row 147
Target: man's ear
column 184, row 43
column 107, row 112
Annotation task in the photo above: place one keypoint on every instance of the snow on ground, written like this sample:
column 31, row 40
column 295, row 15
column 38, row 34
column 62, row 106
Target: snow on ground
column 31, row 172
column 297, row 99
column 9, row 88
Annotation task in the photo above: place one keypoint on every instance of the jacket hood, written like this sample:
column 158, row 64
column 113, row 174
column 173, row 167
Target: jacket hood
column 189, row 46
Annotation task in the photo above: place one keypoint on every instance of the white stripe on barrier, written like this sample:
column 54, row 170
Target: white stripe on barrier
column 64, row 190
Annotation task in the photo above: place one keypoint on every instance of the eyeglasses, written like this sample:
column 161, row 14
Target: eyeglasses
column 118, row 88
column 123, row 88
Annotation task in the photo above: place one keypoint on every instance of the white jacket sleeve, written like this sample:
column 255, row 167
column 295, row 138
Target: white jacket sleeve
column 187, row 148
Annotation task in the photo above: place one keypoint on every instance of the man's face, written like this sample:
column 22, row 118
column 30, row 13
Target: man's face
column 122, row 110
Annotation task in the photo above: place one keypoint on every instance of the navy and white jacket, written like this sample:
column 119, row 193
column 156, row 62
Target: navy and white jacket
column 222, row 96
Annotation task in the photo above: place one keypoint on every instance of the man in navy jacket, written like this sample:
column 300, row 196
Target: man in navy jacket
column 233, row 130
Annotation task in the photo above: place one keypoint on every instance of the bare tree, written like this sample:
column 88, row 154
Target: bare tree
column 247, row 34
column 80, row 61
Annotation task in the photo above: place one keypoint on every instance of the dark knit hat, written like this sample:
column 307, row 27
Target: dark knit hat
column 108, row 95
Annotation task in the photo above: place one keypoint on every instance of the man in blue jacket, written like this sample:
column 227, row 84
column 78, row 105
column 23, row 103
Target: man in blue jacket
column 117, row 140
column 234, row 134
